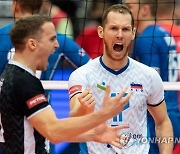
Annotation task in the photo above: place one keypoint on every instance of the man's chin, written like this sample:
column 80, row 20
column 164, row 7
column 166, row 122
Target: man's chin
column 41, row 69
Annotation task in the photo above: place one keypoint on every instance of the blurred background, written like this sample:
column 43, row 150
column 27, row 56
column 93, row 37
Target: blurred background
column 76, row 19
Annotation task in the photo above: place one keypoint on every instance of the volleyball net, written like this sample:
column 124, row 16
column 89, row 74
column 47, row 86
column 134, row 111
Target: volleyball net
column 75, row 20
column 63, row 85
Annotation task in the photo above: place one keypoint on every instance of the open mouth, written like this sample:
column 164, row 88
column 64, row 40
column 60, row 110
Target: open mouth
column 118, row 47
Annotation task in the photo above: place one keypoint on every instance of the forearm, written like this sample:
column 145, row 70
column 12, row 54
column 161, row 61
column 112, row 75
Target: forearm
column 62, row 130
column 77, row 111
column 164, row 133
column 57, row 130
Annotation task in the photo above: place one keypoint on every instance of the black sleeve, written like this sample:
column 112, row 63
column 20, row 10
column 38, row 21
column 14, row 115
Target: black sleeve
column 30, row 95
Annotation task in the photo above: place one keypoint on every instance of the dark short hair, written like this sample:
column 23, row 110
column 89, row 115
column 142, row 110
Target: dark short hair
column 31, row 6
column 27, row 27
column 117, row 8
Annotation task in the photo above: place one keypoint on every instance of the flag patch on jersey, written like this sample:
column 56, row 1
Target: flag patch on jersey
column 74, row 90
column 136, row 87
column 36, row 100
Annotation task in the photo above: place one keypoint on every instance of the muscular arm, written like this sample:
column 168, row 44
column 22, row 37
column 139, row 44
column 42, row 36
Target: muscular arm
column 75, row 107
column 163, row 127
column 57, row 130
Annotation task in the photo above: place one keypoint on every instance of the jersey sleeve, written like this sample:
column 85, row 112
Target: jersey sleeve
column 156, row 95
column 31, row 96
column 77, row 83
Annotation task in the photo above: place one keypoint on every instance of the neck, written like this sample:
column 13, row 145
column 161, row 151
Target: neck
column 141, row 25
column 165, row 21
column 22, row 15
column 27, row 62
column 114, row 64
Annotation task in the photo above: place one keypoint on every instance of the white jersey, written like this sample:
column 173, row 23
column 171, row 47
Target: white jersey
column 147, row 88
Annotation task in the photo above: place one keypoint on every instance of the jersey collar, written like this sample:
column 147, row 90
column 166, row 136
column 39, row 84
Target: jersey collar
column 13, row 62
column 115, row 72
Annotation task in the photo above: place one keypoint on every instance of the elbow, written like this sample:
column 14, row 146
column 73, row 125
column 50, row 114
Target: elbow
column 53, row 141
column 52, row 137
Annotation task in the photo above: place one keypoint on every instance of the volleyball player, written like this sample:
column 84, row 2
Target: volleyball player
column 26, row 118
column 68, row 48
column 116, row 69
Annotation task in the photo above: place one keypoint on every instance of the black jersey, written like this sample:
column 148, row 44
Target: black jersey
column 21, row 97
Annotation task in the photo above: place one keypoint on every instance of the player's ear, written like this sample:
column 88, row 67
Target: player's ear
column 134, row 33
column 15, row 7
column 32, row 44
column 100, row 31
column 145, row 10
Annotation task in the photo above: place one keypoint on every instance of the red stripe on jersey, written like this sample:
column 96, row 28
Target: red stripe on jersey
column 36, row 100
column 75, row 89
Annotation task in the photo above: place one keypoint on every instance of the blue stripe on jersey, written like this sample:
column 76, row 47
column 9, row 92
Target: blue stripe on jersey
column 113, row 71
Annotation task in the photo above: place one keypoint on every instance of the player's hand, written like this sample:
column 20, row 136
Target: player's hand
column 87, row 101
column 115, row 105
column 109, row 135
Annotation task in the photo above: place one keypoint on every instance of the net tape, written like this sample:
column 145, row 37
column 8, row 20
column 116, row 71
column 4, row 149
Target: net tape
column 63, row 85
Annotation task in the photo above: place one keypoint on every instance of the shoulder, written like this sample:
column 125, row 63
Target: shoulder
column 64, row 40
column 5, row 41
column 154, row 30
column 148, row 76
column 26, row 79
column 142, row 67
column 161, row 31
column 88, row 67
column 67, row 45
column 91, row 64
column 19, row 77
column 22, row 78
column 6, row 29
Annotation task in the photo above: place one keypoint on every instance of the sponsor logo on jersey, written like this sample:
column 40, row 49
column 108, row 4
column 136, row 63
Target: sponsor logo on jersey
column 36, row 100
column 75, row 89
column 102, row 86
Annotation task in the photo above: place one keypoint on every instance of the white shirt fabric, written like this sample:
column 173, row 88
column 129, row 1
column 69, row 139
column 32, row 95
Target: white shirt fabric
column 147, row 88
